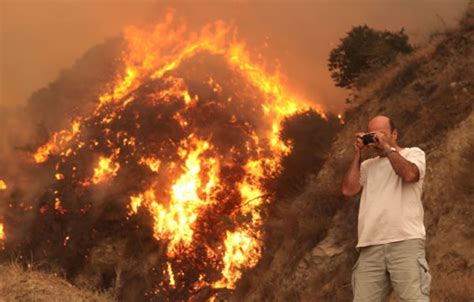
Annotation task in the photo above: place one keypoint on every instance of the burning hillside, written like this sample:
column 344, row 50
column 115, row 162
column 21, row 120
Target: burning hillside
column 171, row 173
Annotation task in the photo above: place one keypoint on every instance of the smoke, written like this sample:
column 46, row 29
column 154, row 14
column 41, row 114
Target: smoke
column 26, row 127
column 299, row 34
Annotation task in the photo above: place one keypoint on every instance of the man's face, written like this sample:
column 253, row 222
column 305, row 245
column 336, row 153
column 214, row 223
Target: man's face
column 381, row 128
column 380, row 124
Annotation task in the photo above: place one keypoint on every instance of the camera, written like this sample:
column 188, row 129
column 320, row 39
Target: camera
column 368, row 138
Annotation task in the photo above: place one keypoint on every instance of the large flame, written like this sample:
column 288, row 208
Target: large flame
column 188, row 193
column 242, row 250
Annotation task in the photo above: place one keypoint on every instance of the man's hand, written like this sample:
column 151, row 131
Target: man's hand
column 359, row 144
column 382, row 142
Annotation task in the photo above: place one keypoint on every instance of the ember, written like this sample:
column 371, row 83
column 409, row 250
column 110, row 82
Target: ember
column 106, row 168
column 2, row 232
column 3, row 185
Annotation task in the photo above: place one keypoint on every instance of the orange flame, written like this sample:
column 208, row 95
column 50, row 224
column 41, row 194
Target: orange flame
column 241, row 251
column 2, row 232
column 58, row 206
column 3, row 185
column 243, row 246
column 57, row 142
column 170, row 275
column 105, row 169
column 152, row 163
column 188, row 195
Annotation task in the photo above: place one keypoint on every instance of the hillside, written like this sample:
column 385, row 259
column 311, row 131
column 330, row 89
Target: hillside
column 429, row 95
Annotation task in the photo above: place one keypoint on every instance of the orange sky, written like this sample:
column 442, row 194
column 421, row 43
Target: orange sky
column 40, row 38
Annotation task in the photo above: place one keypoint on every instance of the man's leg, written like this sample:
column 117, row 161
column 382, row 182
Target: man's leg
column 369, row 275
column 409, row 270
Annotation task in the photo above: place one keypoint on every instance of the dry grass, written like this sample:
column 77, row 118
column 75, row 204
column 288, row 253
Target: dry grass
column 17, row 284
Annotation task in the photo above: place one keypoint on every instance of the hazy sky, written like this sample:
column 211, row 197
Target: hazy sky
column 39, row 37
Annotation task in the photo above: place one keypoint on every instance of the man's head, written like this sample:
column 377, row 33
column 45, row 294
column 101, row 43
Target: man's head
column 384, row 124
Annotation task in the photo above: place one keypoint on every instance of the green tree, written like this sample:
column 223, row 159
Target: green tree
column 364, row 49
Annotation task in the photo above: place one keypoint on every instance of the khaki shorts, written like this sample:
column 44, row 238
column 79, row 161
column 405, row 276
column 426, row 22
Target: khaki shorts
column 402, row 263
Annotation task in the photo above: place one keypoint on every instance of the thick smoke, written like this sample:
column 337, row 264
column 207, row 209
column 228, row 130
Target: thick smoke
column 300, row 34
column 48, row 110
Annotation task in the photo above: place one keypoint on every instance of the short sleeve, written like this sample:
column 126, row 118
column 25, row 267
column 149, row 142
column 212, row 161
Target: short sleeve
column 417, row 156
column 363, row 173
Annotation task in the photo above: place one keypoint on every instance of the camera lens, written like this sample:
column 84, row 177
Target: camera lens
column 368, row 138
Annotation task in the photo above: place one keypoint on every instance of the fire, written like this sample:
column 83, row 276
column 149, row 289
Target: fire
column 341, row 119
column 187, row 150
column 57, row 143
column 241, row 251
column 152, row 163
column 105, row 169
column 2, row 232
column 58, row 206
column 169, row 270
column 3, row 185
column 146, row 55
column 243, row 247
column 120, row 90
column 188, row 195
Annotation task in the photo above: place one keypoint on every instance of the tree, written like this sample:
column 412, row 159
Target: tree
column 364, row 49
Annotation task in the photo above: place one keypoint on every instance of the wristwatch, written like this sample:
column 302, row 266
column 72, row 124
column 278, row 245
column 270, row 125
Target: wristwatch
column 392, row 149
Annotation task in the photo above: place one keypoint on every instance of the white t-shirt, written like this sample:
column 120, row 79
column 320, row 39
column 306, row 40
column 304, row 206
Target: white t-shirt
column 390, row 209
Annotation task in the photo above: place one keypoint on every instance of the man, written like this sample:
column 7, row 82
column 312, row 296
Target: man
column 391, row 234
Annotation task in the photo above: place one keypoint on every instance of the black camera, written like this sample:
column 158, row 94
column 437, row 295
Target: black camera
column 368, row 138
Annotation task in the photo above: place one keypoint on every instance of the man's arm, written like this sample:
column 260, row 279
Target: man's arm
column 407, row 170
column 350, row 184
